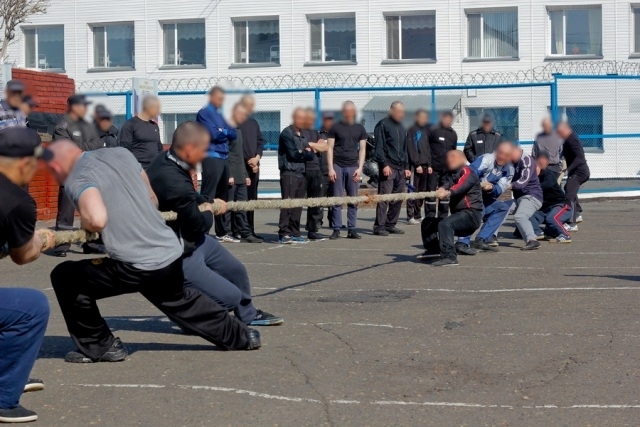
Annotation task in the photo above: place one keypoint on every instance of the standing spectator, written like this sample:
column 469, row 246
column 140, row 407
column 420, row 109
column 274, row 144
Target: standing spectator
column 528, row 196
column 252, row 146
column 141, row 134
column 293, row 152
column 10, row 107
column 27, row 106
column 107, row 131
column 442, row 139
column 74, row 127
column 345, row 158
column 419, row 162
column 391, row 155
column 577, row 171
column 483, row 140
column 548, row 141
column 313, row 176
column 327, row 185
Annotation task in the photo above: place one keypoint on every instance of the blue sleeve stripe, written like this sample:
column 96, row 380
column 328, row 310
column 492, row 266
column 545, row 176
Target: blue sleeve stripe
column 82, row 190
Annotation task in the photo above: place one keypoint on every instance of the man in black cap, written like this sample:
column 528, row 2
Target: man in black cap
column 107, row 131
column 23, row 312
column 28, row 104
column 483, row 140
column 74, row 127
column 141, row 134
column 10, row 107
column 442, row 139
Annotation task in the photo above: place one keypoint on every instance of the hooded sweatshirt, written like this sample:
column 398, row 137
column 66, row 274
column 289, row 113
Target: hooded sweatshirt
column 525, row 180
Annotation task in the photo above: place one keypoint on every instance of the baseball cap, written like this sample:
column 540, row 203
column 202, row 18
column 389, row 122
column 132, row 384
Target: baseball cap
column 28, row 99
column 15, row 86
column 102, row 112
column 18, row 141
column 77, row 98
column 487, row 118
column 328, row 115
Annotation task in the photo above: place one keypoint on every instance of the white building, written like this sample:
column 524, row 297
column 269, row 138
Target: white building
column 97, row 40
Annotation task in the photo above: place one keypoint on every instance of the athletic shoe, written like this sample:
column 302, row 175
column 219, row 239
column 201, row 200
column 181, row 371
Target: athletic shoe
column 266, row 319
column 380, row 232
column 116, row 353
column 251, row 239
column 353, row 234
column 335, row 235
column 481, row 245
column 394, row 230
column 569, row 227
column 299, row 239
column 540, row 236
column 531, row 246
column 285, row 240
column 229, row 239
column 17, row 415
column 33, row 384
column 563, row 238
column 464, row 249
column 579, row 219
column 413, row 221
column 445, row 262
column 493, row 241
column 315, row 236
column 427, row 255
column 254, row 340
column 61, row 254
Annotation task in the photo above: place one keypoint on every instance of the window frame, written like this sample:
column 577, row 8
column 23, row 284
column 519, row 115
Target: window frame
column 564, row 55
column 482, row 12
column 247, row 64
column 36, row 49
column 269, row 146
column 172, row 120
column 484, row 109
column 401, row 60
column 106, row 67
column 562, row 112
column 174, row 23
column 322, row 17
column 635, row 27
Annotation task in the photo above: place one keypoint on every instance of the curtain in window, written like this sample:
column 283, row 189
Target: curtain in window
column 557, row 32
column 500, row 34
column 51, row 34
column 595, row 31
column 475, row 35
column 264, row 27
column 120, row 32
column 418, row 22
column 191, row 31
column 339, row 24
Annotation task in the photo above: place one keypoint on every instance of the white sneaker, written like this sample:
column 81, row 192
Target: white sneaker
column 569, row 227
column 413, row 221
column 579, row 219
column 229, row 239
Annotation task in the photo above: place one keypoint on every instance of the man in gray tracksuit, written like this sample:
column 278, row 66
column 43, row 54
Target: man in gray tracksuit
column 527, row 193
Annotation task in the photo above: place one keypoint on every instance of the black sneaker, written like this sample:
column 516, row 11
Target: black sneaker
column 116, row 353
column 60, row 254
column 251, row 239
column 266, row 319
column 353, row 234
column 531, row 245
column 445, row 262
column 464, row 249
column 17, row 415
column 254, row 340
column 394, row 230
column 380, row 232
column 493, row 241
column 335, row 235
column 427, row 255
column 481, row 245
column 315, row 236
column 33, row 384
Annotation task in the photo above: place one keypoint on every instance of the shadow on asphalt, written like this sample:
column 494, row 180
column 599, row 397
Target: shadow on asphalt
column 608, row 276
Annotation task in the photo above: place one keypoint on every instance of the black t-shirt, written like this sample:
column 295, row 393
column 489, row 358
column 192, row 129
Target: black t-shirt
column 17, row 214
column 313, row 164
column 347, row 142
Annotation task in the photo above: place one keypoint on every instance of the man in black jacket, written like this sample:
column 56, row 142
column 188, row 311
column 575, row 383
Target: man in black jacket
column 327, row 185
column 74, row 127
column 252, row 147
column 442, row 139
column 313, row 176
column 419, row 161
column 207, row 265
column 577, row 171
column 107, row 131
column 391, row 155
column 483, row 140
column 141, row 134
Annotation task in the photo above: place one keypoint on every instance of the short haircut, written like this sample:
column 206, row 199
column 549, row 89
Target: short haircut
column 149, row 99
column 216, row 89
column 310, row 110
column 394, row 104
column 349, row 104
column 509, row 144
column 187, row 133
column 247, row 98
column 421, row 111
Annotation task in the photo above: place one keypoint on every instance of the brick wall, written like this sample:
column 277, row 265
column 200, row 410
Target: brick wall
column 51, row 91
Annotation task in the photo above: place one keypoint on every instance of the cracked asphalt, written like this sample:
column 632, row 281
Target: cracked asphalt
column 374, row 338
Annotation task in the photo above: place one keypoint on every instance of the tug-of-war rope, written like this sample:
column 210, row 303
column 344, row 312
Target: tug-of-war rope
column 81, row 236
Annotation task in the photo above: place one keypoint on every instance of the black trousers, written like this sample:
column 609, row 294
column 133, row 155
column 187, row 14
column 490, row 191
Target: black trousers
column 79, row 284
column 387, row 214
column 215, row 185
column 433, row 180
column 235, row 223
column 314, row 187
column 327, row 191
column 463, row 223
column 252, row 194
column 291, row 187
column 571, row 188
column 414, row 207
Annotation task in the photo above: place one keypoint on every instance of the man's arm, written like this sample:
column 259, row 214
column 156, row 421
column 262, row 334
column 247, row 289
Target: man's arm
column 259, row 141
column 93, row 212
column 152, row 194
column 319, row 147
column 218, row 133
column 291, row 151
column 191, row 220
column 380, row 139
column 535, row 149
column 125, row 137
column 61, row 131
column 25, row 244
column 469, row 149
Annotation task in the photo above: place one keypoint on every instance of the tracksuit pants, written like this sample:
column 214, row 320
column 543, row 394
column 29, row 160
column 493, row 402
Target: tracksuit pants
column 575, row 179
column 344, row 182
column 414, row 207
column 236, row 223
column 24, row 314
column 492, row 218
column 252, row 194
column 80, row 284
column 526, row 207
column 462, row 223
column 291, row 187
column 433, row 180
column 553, row 218
column 387, row 214
column 215, row 185
column 214, row 271
column 313, row 186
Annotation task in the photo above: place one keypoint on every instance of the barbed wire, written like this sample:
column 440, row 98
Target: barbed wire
column 349, row 80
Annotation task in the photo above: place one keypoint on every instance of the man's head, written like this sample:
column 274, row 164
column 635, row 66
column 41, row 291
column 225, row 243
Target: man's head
column 446, row 119
column 65, row 156
column 77, row 105
column 299, row 118
column 20, row 149
column 151, row 106
column 216, row 96
column 455, row 160
column 239, row 114
column 249, row 103
column 349, row 112
column 547, row 125
column 504, row 152
column 516, row 155
column 487, row 122
column 28, row 104
column 422, row 118
column 311, row 117
column 542, row 160
column 328, row 119
column 396, row 111
column 564, row 130
column 103, row 118
column 191, row 142
column 13, row 93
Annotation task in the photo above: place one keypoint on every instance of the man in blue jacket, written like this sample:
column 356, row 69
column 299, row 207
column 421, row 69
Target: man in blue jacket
column 215, row 168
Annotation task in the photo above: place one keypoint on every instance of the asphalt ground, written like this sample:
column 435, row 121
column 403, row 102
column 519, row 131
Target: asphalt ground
column 374, row 337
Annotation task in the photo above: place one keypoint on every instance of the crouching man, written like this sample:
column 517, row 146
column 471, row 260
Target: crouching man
column 528, row 196
column 462, row 187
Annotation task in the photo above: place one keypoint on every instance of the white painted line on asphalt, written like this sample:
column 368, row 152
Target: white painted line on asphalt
column 475, row 267
column 470, row 291
column 118, row 385
column 373, row 325
column 248, row 392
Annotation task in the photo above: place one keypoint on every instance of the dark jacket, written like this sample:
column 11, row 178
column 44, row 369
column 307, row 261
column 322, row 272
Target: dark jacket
column 80, row 131
column 441, row 141
column 391, row 144
column 480, row 142
column 110, row 138
column 464, row 186
column 552, row 193
column 525, row 179
column 171, row 181
column 574, row 154
column 418, row 149
column 292, row 153
column 324, row 160
column 252, row 139
column 237, row 169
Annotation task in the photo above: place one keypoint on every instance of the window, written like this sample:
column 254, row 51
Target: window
column 184, row 44
column 257, row 42
column 44, row 47
column 411, row 36
column 576, row 31
column 333, row 39
column 636, row 30
column 493, row 34
column 585, row 121
column 269, row 122
column 171, row 121
column 506, row 121
column 113, row 46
